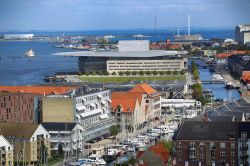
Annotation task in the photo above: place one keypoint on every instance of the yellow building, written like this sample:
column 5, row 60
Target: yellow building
column 31, row 142
column 59, row 107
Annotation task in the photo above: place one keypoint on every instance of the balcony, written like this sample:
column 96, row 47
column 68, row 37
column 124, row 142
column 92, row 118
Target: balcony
column 191, row 148
column 244, row 157
column 244, row 148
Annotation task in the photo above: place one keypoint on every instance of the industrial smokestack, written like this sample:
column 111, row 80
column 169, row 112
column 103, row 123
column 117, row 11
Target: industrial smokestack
column 189, row 25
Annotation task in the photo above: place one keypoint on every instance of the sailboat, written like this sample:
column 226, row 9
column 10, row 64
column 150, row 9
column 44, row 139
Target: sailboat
column 29, row 53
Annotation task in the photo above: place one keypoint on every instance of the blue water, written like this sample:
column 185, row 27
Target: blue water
column 218, row 89
column 15, row 69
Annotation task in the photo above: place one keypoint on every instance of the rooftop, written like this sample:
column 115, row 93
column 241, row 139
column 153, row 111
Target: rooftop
column 144, row 88
column 41, row 90
column 195, row 130
column 17, row 130
column 57, row 126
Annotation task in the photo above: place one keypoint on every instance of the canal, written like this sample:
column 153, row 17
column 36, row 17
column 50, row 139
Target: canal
column 218, row 89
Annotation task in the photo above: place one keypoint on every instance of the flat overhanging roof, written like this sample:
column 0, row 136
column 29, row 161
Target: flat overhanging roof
column 150, row 53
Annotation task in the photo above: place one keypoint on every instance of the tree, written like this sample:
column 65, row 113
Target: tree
column 168, row 72
column 134, row 73
column 113, row 130
column 60, row 150
column 120, row 73
column 141, row 73
column 106, row 73
column 161, row 72
column 167, row 144
column 127, row 73
column 175, row 72
column 114, row 73
column 182, row 72
column 155, row 72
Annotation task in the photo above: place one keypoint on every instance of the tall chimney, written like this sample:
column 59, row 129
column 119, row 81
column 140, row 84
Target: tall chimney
column 189, row 25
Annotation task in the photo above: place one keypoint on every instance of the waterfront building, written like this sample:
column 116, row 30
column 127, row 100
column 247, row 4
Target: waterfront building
column 131, row 56
column 244, row 143
column 39, row 90
column 238, row 64
column 91, row 109
column 18, row 108
column 234, row 110
column 31, row 142
column 207, row 53
column 242, row 34
column 17, row 36
column 195, row 37
column 6, row 152
column 137, row 106
column 69, row 135
column 206, row 143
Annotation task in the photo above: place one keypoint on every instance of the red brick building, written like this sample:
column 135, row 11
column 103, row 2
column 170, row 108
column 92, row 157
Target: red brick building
column 17, row 108
column 206, row 144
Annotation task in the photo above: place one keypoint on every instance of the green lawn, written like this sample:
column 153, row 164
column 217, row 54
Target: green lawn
column 108, row 79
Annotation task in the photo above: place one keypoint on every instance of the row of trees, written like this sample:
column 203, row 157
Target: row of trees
column 137, row 73
column 195, row 70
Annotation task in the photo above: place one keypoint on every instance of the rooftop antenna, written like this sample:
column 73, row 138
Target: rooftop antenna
column 155, row 23
column 189, row 25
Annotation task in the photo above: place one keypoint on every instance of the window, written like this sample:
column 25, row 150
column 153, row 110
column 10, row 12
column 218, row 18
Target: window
column 192, row 154
column 243, row 136
column 232, row 145
column 232, row 153
column 232, row 162
column 179, row 152
column 192, row 144
column 222, row 145
column 222, row 153
column 211, row 144
column 179, row 144
column 202, row 156
column 213, row 154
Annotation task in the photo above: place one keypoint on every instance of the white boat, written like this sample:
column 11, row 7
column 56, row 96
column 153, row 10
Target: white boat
column 97, row 160
column 173, row 125
column 217, row 77
column 30, row 53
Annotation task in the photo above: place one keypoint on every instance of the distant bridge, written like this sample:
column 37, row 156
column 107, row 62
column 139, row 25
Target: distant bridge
column 213, row 81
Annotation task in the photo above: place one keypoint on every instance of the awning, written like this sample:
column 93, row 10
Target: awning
column 92, row 105
column 97, row 104
column 82, row 107
column 109, row 100
column 103, row 102
column 103, row 116
column 78, row 116
column 83, row 99
column 104, row 109
column 93, row 112
column 100, row 96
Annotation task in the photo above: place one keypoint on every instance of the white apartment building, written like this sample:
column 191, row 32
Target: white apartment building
column 90, row 109
column 6, row 152
column 69, row 135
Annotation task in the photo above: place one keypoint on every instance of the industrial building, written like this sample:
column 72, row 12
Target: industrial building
column 17, row 36
column 242, row 34
column 131, row 56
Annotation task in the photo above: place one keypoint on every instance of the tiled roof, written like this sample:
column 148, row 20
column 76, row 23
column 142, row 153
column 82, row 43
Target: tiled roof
column 17, row 130
column 41, row 90
column 228, row 54
column 155, row 155
column 143, row 88
column 245, row 76
column 123, row 100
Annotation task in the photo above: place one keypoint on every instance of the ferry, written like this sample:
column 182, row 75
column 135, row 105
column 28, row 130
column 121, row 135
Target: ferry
column 30, row 53
column 229, row 85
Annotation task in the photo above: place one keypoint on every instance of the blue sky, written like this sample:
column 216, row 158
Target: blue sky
column 120, row 14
